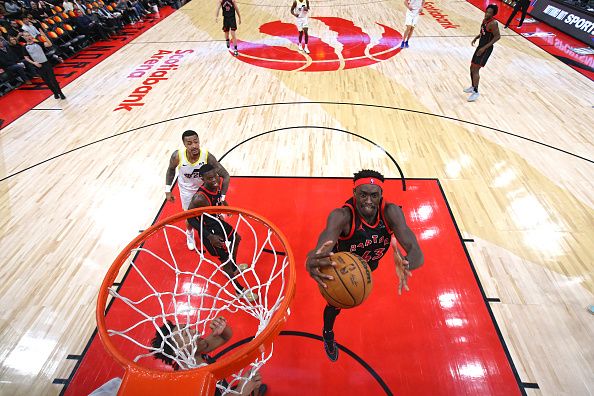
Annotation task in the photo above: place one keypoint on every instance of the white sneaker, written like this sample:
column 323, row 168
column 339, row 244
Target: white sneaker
column 469, row 90
column 473, row 97
column 300, row 47
column 306, row 50
column 190, row 240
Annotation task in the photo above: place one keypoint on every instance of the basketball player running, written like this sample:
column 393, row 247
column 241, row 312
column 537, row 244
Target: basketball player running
column 488, row 36
column 176, row 342
column 412, row 17
column 229, row 24
column 364, row 226
column 189, row 160
column 217, row 232
column 300, row 9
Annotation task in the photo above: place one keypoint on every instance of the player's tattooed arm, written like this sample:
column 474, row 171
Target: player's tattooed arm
column 337, row 224
column 170, row 174
column 221, row 171
column 405, row 236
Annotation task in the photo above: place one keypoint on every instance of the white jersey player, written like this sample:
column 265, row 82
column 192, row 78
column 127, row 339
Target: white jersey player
column 300, row 9
column 187, row 161
column 414, row 8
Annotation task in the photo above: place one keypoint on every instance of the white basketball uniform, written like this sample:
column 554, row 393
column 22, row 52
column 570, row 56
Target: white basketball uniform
column 188, row 179
column 412, row 17
column 302, row 19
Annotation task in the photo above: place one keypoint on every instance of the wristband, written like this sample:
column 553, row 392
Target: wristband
column 168, row 188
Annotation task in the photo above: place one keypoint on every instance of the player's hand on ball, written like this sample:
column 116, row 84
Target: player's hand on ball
column 216, row 241
column 321, row 258
column 401, row 268
column 218, row 325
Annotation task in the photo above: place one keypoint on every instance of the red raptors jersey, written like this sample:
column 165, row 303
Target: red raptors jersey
column 370, row 241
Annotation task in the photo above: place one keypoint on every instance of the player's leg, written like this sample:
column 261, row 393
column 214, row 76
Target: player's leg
column 186, row 198
column 513, row 14
column 475, row 77
column 230, row 266
column 330, row 314
column 226, row 30
column 300, row 33
column 306, row 38
column 524, row 6
column 234, row 36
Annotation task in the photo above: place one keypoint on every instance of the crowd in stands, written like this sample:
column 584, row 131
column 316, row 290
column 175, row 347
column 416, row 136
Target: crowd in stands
column 36, row 35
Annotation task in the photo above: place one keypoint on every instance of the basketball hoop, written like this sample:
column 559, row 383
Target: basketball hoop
column 188, row 289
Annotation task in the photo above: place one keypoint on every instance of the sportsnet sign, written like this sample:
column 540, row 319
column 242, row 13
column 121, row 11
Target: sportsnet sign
column 565, row 18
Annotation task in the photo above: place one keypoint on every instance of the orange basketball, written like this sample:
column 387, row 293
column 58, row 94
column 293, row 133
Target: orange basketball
column 352, row 282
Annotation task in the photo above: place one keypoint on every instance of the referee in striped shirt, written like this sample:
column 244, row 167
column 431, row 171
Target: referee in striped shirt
column 44, row 67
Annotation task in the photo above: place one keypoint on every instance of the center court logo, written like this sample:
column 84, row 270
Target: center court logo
column 355, row 48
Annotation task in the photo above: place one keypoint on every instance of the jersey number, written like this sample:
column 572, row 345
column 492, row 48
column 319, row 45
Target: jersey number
column 377, row 254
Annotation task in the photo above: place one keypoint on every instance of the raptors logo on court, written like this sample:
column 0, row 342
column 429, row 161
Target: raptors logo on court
column 351, row 48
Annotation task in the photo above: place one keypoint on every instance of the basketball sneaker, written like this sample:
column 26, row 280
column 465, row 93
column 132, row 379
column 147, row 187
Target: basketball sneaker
column 305, row 49
column 190, row 240
column 469, row 90
column 473, row 97
column 330, row 345
column 300, row 47
column 235, row 53
column 228, row 45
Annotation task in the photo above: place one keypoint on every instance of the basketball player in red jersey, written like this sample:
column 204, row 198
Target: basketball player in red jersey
column 364, row 225
column 488, row 36
column 217, row 232
column 229, row 23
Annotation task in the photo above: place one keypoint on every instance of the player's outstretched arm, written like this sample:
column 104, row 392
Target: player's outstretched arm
column 319, row 257
column 405, row 236
column 170, row 175
column 221, row 171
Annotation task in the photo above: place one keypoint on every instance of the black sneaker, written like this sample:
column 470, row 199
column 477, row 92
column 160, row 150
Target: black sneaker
column 330, row 345
column 228, row 44
column 235, row 53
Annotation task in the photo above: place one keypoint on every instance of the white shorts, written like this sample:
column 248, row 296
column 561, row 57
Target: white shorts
column 302, row 23
column 412, row 17
column 186, row 197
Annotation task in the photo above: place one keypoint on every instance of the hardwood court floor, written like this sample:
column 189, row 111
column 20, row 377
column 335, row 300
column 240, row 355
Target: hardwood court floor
column 516, row 167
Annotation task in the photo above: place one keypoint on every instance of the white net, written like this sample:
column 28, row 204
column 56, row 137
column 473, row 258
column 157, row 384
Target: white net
column 164, row 312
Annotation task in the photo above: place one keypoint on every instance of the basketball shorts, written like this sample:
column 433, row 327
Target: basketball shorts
column 412, row 17
column 229, row 24
column 302, row 23
column 226, row 232
column 482, row 60
column 186, row 197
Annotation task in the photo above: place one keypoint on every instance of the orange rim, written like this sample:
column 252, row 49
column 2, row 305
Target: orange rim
column 231, row 362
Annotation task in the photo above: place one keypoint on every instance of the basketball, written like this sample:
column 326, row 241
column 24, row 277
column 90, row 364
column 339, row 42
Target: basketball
column 352, row 282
